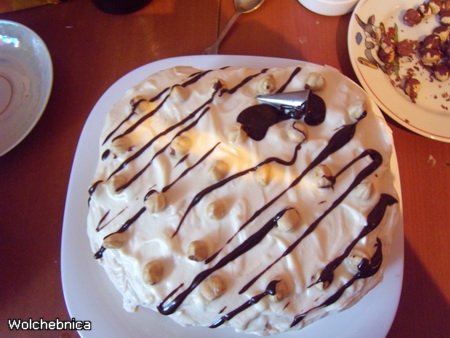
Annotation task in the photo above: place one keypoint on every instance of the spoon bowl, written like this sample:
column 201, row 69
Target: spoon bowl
column 247, row 6
column 240, row 7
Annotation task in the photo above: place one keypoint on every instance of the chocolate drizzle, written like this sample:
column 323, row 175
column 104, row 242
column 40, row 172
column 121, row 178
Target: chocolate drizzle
column 368, row 170
column 337, row 141
column 142, row 119
column 100, row 225
column 124, row 227
column 132, row 113
column 249, row 243
column 103, row 224
column 92, row 189
column 184, row 173
column 284, row 86
column 373, row 220
column 198, row 197
column 160, row 151
column 106, row 154
column 367, row 268
column 192, row 79
column 270, row 290
column 164, row 132
column 242, row 83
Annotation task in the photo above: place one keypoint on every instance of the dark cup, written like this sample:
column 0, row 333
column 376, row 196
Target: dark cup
column 120, row 6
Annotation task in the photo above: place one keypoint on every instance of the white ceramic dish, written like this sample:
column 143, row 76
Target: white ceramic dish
column 26, row 78
column 89, row 294
column 430, row 115
column 329, row 7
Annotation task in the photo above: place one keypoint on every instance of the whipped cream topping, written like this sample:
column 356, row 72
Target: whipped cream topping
column 194, row 216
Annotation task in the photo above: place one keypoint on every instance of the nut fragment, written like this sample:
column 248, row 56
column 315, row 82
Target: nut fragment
column 237, row 134
column 445, row 16
column 429, row 56
column 282, row 290
column 412, row 17
column 180, row 146
column 432, row 41
column 219, row 170
column 354, row 260
column 315, row 81
column 153, row 272
column 297, row 133
column 442, row 72
column 156, row 202
column 356, row 110
column 435, row 6
column 117, row 182
column 267, row 85
column 411, row 88
column 425, row 10
column 216, row 210
column 322, row 176
column 262, row 174
column 198, row 251
column 213, row 288
column 116, row 240
column 142, row 106
column 443, row 32
column 122, row 144
column 289, row 221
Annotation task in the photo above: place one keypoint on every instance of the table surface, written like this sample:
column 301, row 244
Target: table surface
column 91, row 50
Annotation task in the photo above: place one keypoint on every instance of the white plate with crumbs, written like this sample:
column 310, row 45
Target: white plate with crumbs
column 26, row 78
column 429, row 116
column 91, row 297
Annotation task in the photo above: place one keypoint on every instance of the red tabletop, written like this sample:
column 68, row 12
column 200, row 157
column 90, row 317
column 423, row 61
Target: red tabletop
column 91, row 50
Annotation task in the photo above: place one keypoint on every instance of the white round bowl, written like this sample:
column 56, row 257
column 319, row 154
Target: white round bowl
column 329, row 7
column 26, row 78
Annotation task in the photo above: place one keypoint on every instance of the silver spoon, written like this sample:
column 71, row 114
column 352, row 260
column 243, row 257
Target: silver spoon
column 240, row 6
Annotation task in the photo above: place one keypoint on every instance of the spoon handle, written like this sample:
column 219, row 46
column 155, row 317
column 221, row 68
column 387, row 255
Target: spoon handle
column 214, row 48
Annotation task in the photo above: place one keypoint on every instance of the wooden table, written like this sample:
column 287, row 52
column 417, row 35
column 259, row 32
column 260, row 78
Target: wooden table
column 91, row 50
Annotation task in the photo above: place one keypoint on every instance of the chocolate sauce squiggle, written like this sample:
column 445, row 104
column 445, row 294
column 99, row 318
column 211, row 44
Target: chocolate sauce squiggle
column 181, row 160
column 92, row 189
column 106, row 154
column 373, row 220
column 144, row 118
column 102, row 226
column 242, row 83
column 129, row 116
column 195, row 77
column 283, row 87
column 270, row 290
column 198, row 197
column 124, row 227
column 192, row 79
column 248, row 244
column 366, row 269
column 377, row 159
column 185, row 172
column 99, row 225
column 161, row 134
column 160, row 151
column 337, row 141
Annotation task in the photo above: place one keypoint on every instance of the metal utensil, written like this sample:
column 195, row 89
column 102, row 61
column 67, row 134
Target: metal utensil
column 240, row 6
column 287, row 102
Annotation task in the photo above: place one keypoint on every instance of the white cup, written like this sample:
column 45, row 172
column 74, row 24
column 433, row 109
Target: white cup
column 329, row 7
